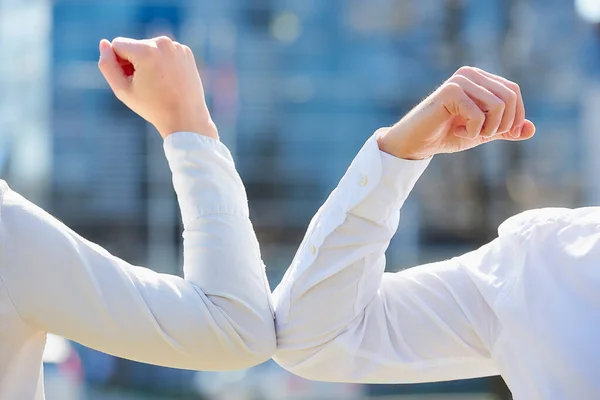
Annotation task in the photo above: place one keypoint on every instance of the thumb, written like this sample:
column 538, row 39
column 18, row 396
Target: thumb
column 527, row 132
column 111, row 69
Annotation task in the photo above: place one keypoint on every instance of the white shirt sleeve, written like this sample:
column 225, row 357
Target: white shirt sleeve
column 341, row 318
column 219, row 317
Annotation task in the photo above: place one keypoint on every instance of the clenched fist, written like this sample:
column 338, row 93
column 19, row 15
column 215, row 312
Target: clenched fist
column 158, row 79
column 470, row 108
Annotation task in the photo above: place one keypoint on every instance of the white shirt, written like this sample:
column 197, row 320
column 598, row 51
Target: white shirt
column 52, row 280
column 526, row 306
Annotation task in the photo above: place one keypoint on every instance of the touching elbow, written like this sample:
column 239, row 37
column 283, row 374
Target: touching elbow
column 261, row 344
column 252, row 344
column 308, row 357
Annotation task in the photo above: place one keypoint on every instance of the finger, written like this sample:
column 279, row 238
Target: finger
column 111, row 69
column 104, row 45
column 491, row 105
column 130, row 49
column 520, row 105
column 126, row 66
column 500, row 90
column 163, row 42
column 527, row 132
column 464, row 107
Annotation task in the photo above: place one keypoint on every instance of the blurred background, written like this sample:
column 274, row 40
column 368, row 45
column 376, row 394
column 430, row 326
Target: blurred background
column 296, row 87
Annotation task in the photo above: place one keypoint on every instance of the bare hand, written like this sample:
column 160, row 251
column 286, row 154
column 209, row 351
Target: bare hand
column 470, row 108
column 158, row 79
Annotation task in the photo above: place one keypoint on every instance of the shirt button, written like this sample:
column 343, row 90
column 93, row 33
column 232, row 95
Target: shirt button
column 364, row 180
column 313, row 249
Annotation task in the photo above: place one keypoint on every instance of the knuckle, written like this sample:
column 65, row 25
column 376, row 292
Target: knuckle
column 119, row 39
column 515, row 88
column 163, row 42
column 512, row 97
column 465, row 70
column 464, row 105
column 499, row 106
column 451, row 88
column 467, row 106
column 457, row 79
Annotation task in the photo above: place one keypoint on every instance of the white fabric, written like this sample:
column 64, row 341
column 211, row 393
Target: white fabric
column 526, row 306
column 52, row 280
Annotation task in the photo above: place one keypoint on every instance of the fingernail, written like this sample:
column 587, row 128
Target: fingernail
column 516, row 132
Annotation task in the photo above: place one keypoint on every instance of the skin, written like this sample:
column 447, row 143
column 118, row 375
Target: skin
column 471, row 108
column 158, row 79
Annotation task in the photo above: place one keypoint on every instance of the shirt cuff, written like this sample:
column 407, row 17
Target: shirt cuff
column 374, row 187
column 397, row 178
column 377, row 184
column 204, row 177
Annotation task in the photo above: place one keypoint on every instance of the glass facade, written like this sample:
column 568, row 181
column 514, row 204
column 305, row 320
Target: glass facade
column 296, row 87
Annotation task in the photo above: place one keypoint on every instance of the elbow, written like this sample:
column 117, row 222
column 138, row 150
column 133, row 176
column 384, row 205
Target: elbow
column 260, row 337
column 308, row 355
column 294, row 354
column 252, row 344
column 260, row 344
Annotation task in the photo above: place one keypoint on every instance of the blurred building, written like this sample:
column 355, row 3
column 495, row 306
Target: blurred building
column 25, row 139
column 296, row 87
column 299, row 86
column 110, row 180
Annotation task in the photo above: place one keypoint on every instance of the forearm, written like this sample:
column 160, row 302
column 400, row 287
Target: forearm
column 221, row 252
column 339, row 266
column 341, row 318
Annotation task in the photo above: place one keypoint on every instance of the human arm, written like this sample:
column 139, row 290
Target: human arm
column 219, row 316
column 340, row 317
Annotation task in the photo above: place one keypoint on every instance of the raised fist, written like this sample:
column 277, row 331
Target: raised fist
column 159, row 80
column 470, row 108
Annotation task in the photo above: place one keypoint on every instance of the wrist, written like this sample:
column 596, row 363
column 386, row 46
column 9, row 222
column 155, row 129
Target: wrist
column 205, row 128
column 393, row 142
